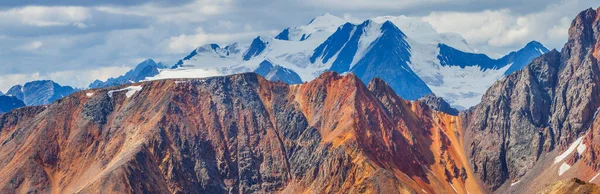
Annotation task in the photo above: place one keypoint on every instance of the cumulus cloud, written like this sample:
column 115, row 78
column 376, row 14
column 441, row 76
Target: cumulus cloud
column 89, row 2
column 185, row 43
column 47, row 16
column 501, row 31
column 31, row 46
column 195, row 11
column 372, row 5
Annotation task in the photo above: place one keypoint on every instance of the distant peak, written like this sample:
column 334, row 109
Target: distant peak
column 537, row 46
column 388, row 24
column 260, row 38
column 327, row 14
column 149, row 61
column 534, row 44
column 367, row 22
column 326, row 19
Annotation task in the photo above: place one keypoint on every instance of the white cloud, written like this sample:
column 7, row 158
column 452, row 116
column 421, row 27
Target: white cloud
column 40, row 16
column 196, row 11
column 31, row 46
column 185, row 43
column 93, row 36
column 503, row 30
column 74, row 78
column 370, row 4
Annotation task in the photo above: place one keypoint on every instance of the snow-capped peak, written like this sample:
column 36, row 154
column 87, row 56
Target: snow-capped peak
column 537, row 46
column 424, row 33
column 325, row 25
column 406, row 52
column 326, row 21
column 371, row 31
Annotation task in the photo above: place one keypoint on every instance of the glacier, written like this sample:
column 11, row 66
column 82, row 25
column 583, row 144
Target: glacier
column 406, row 52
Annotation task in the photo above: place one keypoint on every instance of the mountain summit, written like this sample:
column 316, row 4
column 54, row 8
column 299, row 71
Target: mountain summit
column 403, row 51
column 539, row 123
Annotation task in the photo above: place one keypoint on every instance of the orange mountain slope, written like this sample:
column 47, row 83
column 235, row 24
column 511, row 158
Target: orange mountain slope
column 239, row 133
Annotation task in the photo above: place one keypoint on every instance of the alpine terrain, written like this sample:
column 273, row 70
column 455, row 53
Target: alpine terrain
column 388, row 105
column 402, row 51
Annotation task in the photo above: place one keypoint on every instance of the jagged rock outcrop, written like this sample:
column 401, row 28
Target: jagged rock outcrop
column 539, row 109
column 507, row 129
column 234, row 134
column 438, row 103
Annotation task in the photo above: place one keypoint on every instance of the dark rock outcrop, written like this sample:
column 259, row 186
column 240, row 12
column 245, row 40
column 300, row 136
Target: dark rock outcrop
column 438, row 103
column 543, row 107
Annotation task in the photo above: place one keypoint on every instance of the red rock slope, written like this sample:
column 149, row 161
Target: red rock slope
column 234, row 134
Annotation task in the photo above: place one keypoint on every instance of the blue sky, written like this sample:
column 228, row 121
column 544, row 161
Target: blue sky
column 76, row 41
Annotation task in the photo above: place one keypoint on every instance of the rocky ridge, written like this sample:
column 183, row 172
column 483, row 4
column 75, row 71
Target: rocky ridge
column 536, row 113
column 239, row 133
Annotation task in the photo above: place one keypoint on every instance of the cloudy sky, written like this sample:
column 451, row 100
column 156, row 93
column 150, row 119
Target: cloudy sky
column 76, row 41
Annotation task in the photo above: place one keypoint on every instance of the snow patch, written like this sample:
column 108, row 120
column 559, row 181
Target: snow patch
column 570, row 150
column 594, row 178
column 370, row 34
column 581, row 148
column 89, row 95
column 539, row 50
column 186, row 73
column 453, row 188
column 515, row 183
column 130, row 91
column 180, row 82
column 563, row 168
column 460, row 87
column 596, row 113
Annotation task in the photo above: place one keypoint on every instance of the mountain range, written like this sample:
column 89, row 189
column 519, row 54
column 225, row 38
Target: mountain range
column 418, row 60
column 284, row 117
column 402, row 51
column 147, row 68
column 39, row 92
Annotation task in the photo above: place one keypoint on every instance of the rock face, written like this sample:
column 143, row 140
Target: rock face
column 234, row 134
column 7, row 103
column 437, row 103
column 40, row 92
column 541, row 108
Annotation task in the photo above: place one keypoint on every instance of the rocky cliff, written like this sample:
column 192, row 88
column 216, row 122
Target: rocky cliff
column 527, row 118
column 234, row 134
